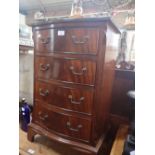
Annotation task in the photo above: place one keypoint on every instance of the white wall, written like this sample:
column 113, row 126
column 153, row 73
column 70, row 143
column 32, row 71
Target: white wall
column 25, row 71
column 22, row 19
column 26, row 77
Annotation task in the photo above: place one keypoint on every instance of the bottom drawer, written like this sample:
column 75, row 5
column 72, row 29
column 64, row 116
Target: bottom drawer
column 68, row 125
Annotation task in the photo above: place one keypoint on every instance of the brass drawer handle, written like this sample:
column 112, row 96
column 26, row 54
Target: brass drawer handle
column 44, row 67
column 75, row 102
column 45, row 40
column 45, row 93
column 42, row 117
column 74, row 129
column 83, row 70
column 81, row 40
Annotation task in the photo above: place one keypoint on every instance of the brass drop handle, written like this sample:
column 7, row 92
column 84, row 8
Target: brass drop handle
column 42, row 117
column 74, row 129
column 43, row 93
column 75, row 102
column 81, row 40
column 45, row 40
column 83, row 70
column 44, row 67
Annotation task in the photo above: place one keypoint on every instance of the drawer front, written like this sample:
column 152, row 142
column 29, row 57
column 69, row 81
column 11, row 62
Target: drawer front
column 74, row 70
column 69, row 98
column 72, row 126
column 43, row 40
column 75, row 40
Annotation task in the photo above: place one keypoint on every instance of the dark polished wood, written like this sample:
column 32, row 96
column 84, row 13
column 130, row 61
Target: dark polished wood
column 76, row 23
column 68, row 69
column 31, row 134
column 77, row 40
column 66, row 124
column 43, row 40
column 104, row 80
column 74, row 71
column 124, row 81
column 67, row 40
column 82, row 147
column 65, row 97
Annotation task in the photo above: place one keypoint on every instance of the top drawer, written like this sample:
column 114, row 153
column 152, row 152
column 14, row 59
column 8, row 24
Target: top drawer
column 73, row 40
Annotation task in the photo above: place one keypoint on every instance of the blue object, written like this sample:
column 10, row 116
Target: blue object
column 25, row 115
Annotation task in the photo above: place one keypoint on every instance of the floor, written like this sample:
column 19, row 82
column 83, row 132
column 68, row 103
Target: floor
column 44, row 146
column 118, row 144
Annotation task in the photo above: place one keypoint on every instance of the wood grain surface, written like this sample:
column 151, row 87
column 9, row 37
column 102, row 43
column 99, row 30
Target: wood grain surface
column 118, row 144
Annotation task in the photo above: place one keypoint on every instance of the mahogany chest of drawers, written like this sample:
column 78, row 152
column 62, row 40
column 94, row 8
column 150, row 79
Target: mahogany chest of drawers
column 73, row 75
